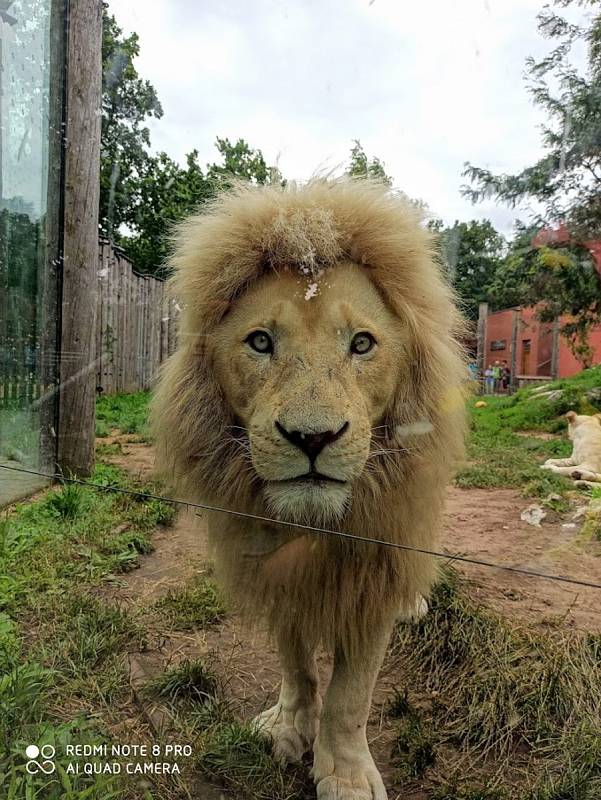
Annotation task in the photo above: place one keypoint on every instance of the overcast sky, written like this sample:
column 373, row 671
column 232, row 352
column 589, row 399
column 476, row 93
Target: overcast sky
column 424, row 84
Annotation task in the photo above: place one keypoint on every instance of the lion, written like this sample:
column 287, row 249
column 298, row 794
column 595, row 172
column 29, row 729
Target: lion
column 584, row 465
column 318, row 381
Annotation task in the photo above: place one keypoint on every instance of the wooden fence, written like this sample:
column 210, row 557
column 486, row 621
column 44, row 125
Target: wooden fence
column 135, row 332
column 135, row 324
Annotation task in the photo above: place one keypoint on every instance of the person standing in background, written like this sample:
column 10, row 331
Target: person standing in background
column 489, row 380
column 505, row 376
column 496, row 374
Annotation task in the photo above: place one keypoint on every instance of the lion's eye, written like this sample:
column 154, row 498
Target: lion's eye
column 362, row 343
column 260, row 342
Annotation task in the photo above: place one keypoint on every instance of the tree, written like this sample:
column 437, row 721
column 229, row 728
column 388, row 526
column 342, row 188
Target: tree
column 471, row 253
column 241, row 162
column 127, row 102
column 567, row 180
column 362, row 167
column 559, row 281
column 166, row 192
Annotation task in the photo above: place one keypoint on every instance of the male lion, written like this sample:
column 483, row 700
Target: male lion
column 317, row 381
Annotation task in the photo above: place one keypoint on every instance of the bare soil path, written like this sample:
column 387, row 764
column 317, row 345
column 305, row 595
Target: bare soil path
column 484, row 524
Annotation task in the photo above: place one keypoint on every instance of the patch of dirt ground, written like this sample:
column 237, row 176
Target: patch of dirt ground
column 480, row 524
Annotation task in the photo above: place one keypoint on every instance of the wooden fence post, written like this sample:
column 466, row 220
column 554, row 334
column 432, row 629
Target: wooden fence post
column 82, row 189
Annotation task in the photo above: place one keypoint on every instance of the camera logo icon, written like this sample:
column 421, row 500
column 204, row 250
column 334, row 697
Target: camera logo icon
column 40, row 759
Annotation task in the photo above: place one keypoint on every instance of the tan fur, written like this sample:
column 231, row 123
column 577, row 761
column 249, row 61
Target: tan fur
column 219, row 255
column 584, row 465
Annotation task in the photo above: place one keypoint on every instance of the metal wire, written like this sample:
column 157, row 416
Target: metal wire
column 312, row 528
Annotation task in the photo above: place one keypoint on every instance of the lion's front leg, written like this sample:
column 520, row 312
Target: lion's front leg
column 343, row 767
column 292, row 723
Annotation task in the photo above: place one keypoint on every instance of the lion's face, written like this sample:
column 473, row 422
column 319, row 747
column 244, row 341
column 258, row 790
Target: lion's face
column 308, row 367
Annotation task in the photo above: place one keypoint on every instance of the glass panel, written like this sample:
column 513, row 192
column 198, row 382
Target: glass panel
column 31, row 104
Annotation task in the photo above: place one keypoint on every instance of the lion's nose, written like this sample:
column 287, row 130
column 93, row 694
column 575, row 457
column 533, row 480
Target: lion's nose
column 311, row 443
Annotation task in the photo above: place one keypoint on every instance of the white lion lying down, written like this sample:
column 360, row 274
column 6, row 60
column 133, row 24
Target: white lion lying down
column 584, row 465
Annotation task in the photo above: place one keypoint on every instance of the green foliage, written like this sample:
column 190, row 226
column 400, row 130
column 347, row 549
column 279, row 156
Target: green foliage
column 42, row 552
column 168, row 192
column 561, row 280
column 414, row 748
column 88, row 632
column 500, row 686
column 567, row 179
column 127, row 103
column 68, row 502
column 239, row 758
column 142, row 195
column 499, row 457
column 468, row 792
column 190, row 680
column 197, row 605
column 399, row 705
column 471, row 253
column 362, row 167
column 127, row 413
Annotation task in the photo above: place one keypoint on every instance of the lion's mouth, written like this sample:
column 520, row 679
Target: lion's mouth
column 312, row 477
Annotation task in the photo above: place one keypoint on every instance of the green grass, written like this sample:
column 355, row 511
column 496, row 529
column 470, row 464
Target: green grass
column 198, row 605
column 399, row 704
column 414, row 748
column 73, row 534
column 126, row 412
column 239, row 758
column 469, row 792
column 499, row 457
column 501, row 689
column 62, row 648
column 194, row 681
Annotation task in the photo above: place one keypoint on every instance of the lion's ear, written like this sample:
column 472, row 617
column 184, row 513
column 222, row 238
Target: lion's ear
column 571, row 416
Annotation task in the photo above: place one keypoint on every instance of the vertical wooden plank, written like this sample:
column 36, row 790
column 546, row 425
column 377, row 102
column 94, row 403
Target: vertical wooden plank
column 127, row 326
column 158, row 312
column 141, row 339
column 147, row 338
column 164, row 323
column 138, row 307
column 97, row 336
column 149, row 331
column 117, row 331
column 106, row 265
column 122, row 339
column 108, row 338
column 76, row 420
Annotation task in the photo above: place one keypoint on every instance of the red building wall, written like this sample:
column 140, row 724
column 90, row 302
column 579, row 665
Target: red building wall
column 569, row 365
column 537, row 359
column 534, row 344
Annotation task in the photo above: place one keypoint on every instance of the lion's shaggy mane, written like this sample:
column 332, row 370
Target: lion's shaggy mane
column 343, row 587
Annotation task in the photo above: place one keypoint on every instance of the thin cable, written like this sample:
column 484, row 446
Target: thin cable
column 324, row 531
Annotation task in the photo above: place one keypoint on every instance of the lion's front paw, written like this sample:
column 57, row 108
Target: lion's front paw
column 292, row 731
column 352, row 776
column 363, row 786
